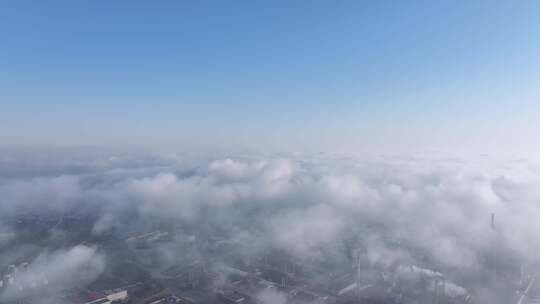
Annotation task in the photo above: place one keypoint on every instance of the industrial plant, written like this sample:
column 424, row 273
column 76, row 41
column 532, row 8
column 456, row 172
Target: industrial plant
column 209, row 268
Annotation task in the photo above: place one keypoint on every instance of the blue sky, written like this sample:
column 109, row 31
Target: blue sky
column 270, row 74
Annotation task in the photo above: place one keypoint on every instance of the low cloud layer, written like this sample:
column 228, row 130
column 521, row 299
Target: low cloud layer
column 51, row 272
column 308, row 206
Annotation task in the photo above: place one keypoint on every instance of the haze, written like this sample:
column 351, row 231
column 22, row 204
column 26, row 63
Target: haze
column 269, row 152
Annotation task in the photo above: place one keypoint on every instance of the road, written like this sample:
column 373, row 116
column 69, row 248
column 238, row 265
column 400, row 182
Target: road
column 531, row 295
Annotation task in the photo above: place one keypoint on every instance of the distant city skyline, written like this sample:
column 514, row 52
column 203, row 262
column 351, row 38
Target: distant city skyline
column 271, row 75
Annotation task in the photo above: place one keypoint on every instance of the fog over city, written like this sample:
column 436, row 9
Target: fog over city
column 269, row 152
column 470, row 220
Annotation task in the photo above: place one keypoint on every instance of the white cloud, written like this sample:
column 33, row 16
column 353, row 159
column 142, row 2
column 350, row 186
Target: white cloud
column 439, row 205
column 51, row 272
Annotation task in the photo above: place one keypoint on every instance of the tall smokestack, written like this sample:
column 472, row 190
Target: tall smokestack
column 495, row 257
column 358, row 276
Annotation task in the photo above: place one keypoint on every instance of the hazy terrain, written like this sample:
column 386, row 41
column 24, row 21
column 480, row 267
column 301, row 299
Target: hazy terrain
column 429, row 211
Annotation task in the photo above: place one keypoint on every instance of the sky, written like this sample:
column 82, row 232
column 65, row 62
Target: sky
column 271, row 75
